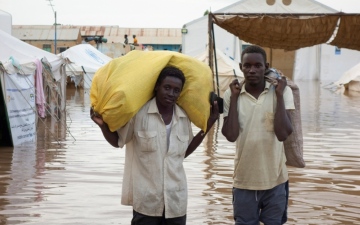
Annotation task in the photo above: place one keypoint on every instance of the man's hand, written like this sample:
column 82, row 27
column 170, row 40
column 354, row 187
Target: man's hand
column 96, row 118
column 281, row 84
column 214, row 114
column 235, row 88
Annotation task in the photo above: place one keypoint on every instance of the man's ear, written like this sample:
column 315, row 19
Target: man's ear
column 267, row 65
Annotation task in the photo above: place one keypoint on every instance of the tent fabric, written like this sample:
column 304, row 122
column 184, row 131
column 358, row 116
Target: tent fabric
column 350, row 79
column 125, row 84
column 82, row 61
column 279, row 32
column 24, row 53
column 18, row 62
column 348, row 35
column 19, row 90
column 227, row 69
column 87, row 56
column 353, row 85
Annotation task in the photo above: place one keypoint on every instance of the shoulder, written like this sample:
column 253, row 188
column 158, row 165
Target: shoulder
column 180, row 112
column 151, row 104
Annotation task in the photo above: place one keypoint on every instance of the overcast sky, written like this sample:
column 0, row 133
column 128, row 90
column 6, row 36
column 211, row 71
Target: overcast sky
column 127, row 13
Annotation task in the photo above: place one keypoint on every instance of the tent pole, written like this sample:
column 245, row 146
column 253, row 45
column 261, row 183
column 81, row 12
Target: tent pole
column 212, row 52
column 210, row 43
column 216, row 68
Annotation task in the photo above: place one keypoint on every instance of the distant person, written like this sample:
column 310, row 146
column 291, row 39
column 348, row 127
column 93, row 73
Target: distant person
column 126, row 41
column 256, row 116
column 157, row 140
column 135, row 43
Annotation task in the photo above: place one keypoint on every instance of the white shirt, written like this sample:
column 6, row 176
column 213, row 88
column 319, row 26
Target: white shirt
column 154, row 176
column 259, row 162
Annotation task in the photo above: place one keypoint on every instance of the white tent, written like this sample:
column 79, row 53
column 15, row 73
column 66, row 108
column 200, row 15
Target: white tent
column 319, row 62
column 323, row 62
column 5, row 21
column 227, row 69
column 350, row 79
column 24, row 53
column 83, row 61
column 19, row 62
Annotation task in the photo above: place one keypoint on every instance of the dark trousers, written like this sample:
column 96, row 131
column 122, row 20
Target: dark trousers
column 141, row 219
column 267, row 206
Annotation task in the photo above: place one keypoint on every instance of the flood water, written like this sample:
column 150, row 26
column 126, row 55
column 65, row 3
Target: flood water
column 78, row 179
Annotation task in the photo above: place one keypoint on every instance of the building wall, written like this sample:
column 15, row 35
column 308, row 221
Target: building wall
column 148, row 38
column 174, row 48
column 60, row 45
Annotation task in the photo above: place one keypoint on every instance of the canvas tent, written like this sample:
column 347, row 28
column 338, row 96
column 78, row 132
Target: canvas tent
column 227, row 69
column 23, row 95
column 350, row 79
column 232, row 27
column 82, row 61
column 5, row 22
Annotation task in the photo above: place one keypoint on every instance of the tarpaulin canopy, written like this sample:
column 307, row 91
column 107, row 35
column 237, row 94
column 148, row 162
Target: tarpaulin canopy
column 292, row 31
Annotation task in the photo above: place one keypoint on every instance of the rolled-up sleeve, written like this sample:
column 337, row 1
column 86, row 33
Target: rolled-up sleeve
column 289, row 98
column 226, row 102
column 126, row 133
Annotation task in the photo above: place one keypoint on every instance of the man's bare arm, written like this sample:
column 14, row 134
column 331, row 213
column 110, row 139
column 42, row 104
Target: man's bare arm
column 111, row 137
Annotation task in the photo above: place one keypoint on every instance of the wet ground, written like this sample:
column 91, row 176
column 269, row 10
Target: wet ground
column 78, row 180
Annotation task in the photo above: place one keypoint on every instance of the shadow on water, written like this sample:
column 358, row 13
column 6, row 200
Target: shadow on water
column 78, row 179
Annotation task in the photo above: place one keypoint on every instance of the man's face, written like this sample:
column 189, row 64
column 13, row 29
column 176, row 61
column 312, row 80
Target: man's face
column 253, row 67
column 168, row 91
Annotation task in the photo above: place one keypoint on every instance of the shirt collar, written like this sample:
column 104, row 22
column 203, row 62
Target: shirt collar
column 267, row 87
column 154, row 109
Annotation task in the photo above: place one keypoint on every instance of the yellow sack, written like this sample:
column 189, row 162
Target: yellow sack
column 121, row 87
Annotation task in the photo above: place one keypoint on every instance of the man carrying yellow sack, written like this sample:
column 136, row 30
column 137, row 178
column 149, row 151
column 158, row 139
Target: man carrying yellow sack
column 157, row 140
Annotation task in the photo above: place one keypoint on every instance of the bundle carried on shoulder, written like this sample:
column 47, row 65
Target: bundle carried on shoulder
column 121, row 87
column 293, row 145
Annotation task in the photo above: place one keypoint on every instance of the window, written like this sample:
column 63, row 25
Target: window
column 47, row 47
column 62, row 49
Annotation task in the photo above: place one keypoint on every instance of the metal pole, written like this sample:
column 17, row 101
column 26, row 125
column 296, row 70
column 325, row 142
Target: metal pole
column 215, row 58
column 55, row 31
column 52, row 7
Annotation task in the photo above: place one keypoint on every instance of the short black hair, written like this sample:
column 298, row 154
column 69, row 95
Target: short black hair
column 171, row 71
column 254, row 49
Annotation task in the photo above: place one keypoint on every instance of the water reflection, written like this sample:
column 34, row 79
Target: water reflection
column 77, row 180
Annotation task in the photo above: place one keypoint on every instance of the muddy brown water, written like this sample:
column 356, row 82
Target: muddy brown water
column 78, row 179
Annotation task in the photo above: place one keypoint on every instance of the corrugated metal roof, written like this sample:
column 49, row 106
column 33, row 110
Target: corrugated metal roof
column 113, row 34
column 144, row 35
column 45, row 33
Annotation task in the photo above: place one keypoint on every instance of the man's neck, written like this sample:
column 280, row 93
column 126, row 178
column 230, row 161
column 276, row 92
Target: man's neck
column 255, row 90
